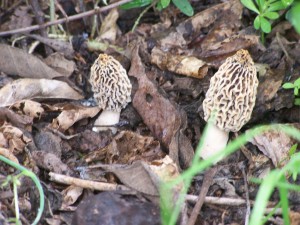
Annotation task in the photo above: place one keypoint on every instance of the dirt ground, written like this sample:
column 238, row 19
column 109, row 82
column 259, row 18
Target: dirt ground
column 48, row 110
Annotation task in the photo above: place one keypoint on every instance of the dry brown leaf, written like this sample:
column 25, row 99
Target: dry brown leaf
column 71, row 115
column 226, row 25
column 8, row 154
column 29, row 108
column 36, row 88
column 109, row 28
column 61, row 46
column 15, row 138
column 70, row 195
column 205, row 18
column 270, row 95
column 164, row 119
column 58, row 62
column 15, row 61
column 21, row 121
column 127, row 147
column 145, row 177
column 275, row 145
column 184, row 65
column 48, row 142
column 50, row 162
column 20, row 18
column 294, row 218
column 230, row 45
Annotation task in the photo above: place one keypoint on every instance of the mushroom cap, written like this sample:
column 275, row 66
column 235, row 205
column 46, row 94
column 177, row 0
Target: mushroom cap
column 232, row 92
column 110, row 83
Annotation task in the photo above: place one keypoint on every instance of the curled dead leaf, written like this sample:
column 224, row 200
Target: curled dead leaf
column 36, row 88
column 15, row 138
column 29, row 108
column 71, row 194
column 185, row 65
column 69, row 116
column 145, row 177
column 275, row 145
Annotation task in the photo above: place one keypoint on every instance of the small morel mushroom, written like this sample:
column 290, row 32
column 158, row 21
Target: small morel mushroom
column 229, row 100
column 111, row 88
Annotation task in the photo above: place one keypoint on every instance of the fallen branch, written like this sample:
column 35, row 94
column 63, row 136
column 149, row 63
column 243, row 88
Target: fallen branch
column 217, row 200
column 99, row 186
column 71, row 18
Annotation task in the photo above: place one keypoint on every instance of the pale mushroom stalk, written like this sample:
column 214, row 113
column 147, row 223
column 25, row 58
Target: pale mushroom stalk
column 230, row 98
column 215, row 140
column 107, row 120
column 112, row 90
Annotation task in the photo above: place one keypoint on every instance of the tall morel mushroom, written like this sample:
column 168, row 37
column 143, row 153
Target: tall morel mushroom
column 112, row 90
column 229, row 100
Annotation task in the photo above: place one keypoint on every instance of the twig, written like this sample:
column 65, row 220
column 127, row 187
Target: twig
column 39, row 17
column 217, row 200
column 71, row 18
column 248, row 211
column 208, row 178
column 99, row 186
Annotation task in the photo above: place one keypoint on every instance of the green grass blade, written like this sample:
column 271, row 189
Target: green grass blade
column 283, row 192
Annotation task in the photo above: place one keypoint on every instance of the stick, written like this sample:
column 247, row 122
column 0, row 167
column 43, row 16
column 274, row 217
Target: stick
column 71, row 18
column 99, row 186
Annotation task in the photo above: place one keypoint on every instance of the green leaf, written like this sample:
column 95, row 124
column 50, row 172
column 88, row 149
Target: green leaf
column 288, row 85
column 276, row 6
column 184, row 7
column 287, row 2
column 136, row 4
column 297, row 101
column 293, row 149
column 261, row 5
column 296, row 91
column 164, row 3
column 271, row 15
column 250, row 5
column 297, row 83
column 256, row 23
column 293, row 15
column 265, row 25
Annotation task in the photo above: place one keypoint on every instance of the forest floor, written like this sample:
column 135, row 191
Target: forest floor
column 47, row 112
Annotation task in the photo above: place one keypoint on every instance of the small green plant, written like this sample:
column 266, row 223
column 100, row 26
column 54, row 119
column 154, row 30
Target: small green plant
column 183, row 5
column 296, row 87
column 275, row 179
column 15, row 181
column 268, row 10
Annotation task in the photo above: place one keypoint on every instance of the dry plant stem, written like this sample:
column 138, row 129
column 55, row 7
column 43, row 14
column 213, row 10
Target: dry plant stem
column 248, row 211
column 60, row 21
column 214, row 141
column 217, row 200
column 106, row 119
column 99, row 186
column 40, row 20
column 208, row 178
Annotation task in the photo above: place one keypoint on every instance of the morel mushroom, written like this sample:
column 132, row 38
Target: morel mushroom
column 229, row 100
column 111, row 88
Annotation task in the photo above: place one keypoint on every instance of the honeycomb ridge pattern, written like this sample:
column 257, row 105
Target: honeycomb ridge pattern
column 232, row 92
column 110, row 83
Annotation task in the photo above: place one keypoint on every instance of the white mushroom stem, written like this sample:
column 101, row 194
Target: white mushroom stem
column 106, row 120
column 214, row 141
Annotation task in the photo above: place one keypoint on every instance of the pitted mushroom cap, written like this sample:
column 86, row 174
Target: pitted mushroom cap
column 232, row 92
column 110, row 83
